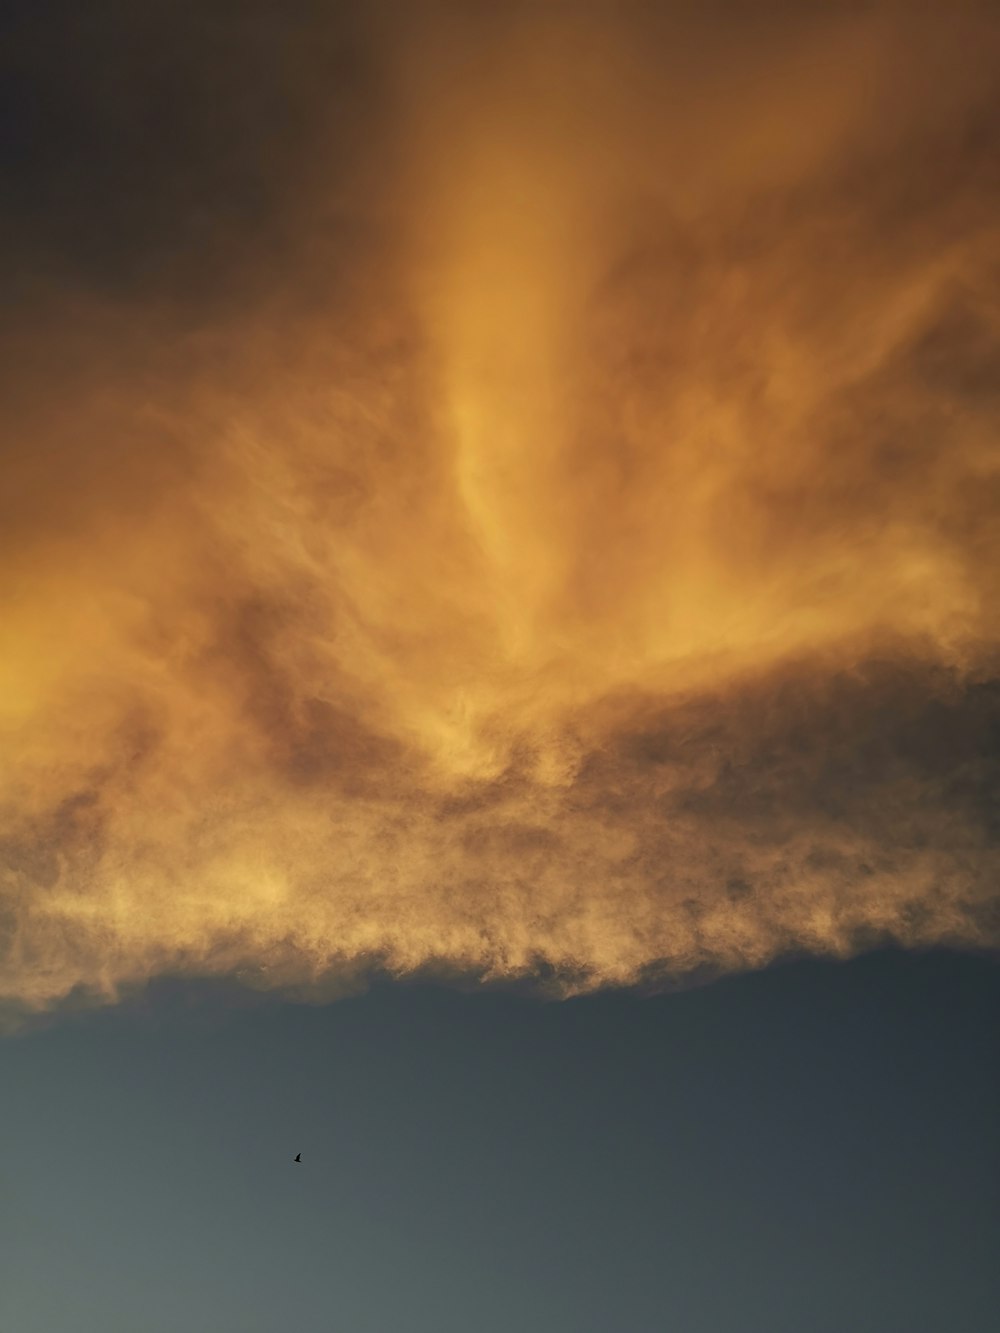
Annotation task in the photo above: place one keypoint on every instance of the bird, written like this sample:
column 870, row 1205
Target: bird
column 298, row 1157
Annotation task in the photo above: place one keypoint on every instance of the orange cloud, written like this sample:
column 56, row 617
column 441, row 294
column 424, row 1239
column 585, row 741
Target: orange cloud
column 569, row 554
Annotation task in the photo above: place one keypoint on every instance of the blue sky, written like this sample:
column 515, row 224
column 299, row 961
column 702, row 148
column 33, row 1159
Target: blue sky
column 812, row 1147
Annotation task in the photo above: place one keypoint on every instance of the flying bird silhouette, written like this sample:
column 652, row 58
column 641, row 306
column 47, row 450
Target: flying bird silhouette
column 298, row 1157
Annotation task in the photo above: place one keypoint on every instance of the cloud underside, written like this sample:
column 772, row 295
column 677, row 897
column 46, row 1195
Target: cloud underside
column 512, row 499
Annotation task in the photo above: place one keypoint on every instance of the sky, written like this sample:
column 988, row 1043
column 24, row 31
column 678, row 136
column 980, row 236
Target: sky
column 813, row 1146
column 499, row 549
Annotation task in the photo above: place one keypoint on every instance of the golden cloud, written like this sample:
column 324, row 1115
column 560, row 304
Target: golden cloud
column 561, row 543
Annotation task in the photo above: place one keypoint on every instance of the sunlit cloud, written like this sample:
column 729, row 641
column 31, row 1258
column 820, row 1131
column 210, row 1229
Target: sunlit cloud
column 564, row 549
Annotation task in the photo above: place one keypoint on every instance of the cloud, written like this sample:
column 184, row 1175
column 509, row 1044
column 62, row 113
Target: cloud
column 512, row 496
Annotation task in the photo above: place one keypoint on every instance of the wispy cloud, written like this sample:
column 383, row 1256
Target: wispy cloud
column 511, row 496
